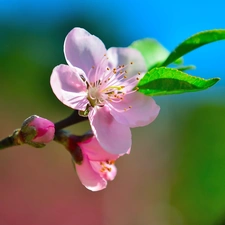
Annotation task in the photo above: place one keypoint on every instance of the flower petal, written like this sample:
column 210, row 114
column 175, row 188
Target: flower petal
column 126, row 56
column 143, row 110
column 85, row 51
column 68, row 86
column 95, row 152
column 88, row 177
column 114, row 137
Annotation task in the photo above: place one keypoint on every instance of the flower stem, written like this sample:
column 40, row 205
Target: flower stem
column 70, row 120
column 6, row 142
column 12, row 140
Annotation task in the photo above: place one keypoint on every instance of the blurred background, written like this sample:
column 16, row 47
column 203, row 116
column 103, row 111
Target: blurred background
column 175, row 172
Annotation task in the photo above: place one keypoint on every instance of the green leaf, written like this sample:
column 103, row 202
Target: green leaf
column 153, row 52
column 193, row 42
column 167, row 81
column 183, row 68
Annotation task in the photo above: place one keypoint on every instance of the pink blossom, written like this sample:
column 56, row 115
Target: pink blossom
column 101, row 84
column 93, row 164
column 38, row 130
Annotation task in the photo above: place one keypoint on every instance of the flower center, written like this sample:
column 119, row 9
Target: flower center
column 110, row 85
column 106, row 166
column 94, row 96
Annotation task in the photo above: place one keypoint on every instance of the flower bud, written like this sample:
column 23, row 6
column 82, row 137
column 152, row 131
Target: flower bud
column 37, row 131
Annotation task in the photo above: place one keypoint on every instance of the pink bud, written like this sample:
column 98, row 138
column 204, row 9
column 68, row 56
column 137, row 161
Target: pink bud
column 45, row 129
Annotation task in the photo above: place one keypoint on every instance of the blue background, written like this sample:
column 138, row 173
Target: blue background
column 170, row 22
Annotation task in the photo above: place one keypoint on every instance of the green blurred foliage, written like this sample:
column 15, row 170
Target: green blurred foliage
column 198, row 189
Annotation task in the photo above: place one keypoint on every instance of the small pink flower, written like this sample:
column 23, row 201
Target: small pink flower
column 101, row 84
column 45, row 130
column 38, row 130
column 93, row 164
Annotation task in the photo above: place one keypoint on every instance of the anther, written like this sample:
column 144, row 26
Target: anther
column 137, row 78
column 102, row 170
column 139, row 73
column 124, row 77
column 82, row 77
column 131, row 63
column 111, row 162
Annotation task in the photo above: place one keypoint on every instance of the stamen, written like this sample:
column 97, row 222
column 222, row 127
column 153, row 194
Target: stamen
column 111, row 162
column 97, row 71
column 110, row 85
column 82, row 77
